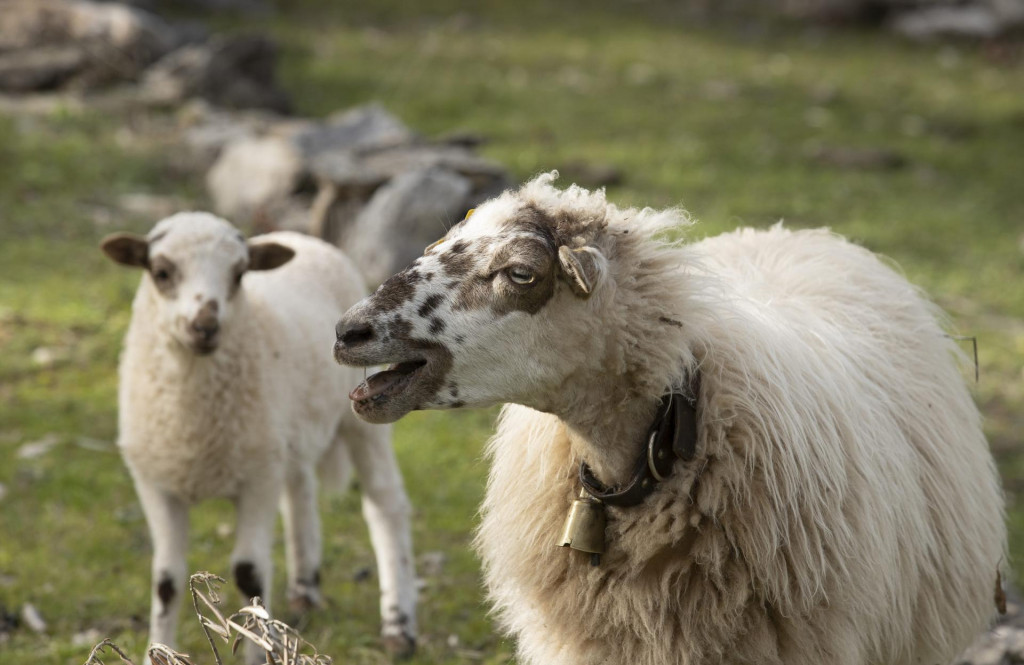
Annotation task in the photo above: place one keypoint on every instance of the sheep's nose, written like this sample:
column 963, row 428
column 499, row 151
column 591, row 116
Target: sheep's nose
column 206, row 330
column 353, row 334
column 205, row 325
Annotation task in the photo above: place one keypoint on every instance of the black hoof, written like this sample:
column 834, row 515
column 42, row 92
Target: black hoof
column 399, row 647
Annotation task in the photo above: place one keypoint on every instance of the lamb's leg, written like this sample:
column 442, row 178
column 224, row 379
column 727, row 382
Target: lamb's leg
column 167, row 517
column 386, row 510
column 250, row 562
column 302, row 538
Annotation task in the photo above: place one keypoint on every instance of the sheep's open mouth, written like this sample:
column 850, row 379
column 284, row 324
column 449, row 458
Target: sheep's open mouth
column 387, row 384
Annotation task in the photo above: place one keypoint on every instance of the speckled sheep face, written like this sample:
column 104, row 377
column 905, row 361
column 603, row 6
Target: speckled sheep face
column 488, row 314
column 194, row 265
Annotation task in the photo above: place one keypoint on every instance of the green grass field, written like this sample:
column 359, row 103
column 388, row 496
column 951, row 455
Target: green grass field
column 717, row 116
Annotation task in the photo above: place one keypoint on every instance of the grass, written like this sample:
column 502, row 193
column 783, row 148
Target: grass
column 717, row 116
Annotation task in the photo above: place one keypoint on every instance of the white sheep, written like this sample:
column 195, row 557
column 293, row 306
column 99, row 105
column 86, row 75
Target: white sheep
column 835, row 502
column 225, row 391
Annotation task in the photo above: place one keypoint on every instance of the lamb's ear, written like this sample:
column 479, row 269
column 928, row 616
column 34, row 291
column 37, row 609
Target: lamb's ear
column 128, row 249
column 584, row 268
column 268, row 255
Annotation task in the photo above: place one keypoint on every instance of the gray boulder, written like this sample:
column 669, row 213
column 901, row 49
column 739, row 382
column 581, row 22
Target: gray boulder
column 234, row 72
column 974, row 21
column 361, row 180
column 354, row 131
column 916, row 19
column 404, row 216
column 59, row 43
column 42, row 69
column 253, row 176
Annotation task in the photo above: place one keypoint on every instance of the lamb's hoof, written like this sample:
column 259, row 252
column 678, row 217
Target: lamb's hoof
column 399, row 646
column 304, row 598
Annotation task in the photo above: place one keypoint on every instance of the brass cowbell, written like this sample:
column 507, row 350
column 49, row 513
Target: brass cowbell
column 584, row 527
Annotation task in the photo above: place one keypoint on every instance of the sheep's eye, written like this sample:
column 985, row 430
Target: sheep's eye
column 162, row 275
column 521, row 275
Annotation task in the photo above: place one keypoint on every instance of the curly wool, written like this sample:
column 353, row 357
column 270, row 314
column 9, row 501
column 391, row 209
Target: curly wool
column 843, row 506
column 199, row 427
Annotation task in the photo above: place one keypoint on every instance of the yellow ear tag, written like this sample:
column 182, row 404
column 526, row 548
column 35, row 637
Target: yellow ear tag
column 469, row 214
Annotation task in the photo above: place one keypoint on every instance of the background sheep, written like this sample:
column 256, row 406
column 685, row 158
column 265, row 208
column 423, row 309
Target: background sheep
column 842, row 506
column 224, row 392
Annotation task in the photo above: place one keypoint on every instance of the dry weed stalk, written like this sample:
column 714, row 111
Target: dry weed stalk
column 281, row 644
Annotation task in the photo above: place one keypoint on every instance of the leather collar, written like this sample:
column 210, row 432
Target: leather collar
column 672, row 435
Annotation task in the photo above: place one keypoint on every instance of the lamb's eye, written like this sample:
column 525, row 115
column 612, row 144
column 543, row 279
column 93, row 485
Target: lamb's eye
column 521, row 275
column 162, row 275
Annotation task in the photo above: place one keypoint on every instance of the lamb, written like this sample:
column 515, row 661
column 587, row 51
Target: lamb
column 224, row 393
column 835, row 501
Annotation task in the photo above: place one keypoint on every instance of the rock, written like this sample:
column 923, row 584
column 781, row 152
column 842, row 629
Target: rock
column 243, row 6
column 359, row 129
column 40, row 69
column 391, row 162
column 967, row 21
column 381, row 192
column 35, row 449
column 916, row 19
column 1003, row 645
column 404, row 216
column 336, row 207
column 234, row 71
column 206, row 129
column 342, row 168
column 48, row 356
column 291, row 214
column 85, row 44
column 86, row 638
column 31, row 617
column 252, row 174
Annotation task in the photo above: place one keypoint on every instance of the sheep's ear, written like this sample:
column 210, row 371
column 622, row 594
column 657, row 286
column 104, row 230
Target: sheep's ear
column 268, row 255
column 128, row 249
column 584, row 268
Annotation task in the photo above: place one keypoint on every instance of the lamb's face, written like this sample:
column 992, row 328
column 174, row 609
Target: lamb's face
column 488, row 314
column 194, row 263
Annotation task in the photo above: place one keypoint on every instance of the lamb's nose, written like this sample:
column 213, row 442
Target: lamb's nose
column 206, row 330
column 353, row 334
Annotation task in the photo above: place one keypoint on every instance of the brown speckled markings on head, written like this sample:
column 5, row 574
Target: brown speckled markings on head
column 563, row 227
column 165, row 275
column 399, row 328
column 430, row 304
column 396, row 291
column 532, row 250
column 455, row 260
